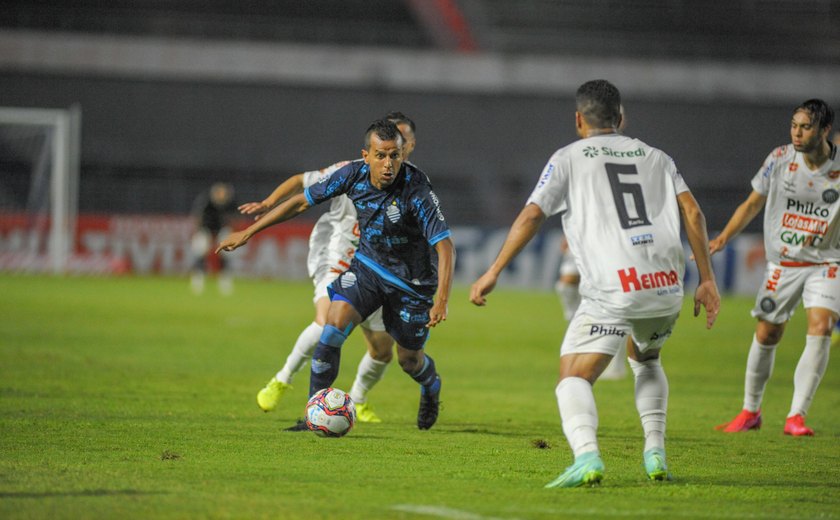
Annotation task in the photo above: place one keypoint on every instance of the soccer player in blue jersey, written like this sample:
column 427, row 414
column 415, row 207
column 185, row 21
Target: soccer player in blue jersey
column 403, row 264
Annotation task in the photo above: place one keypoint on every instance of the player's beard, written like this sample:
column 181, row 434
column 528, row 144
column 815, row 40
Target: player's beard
column 806, row 147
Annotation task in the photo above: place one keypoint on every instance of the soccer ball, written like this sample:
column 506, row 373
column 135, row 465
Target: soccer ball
column 330, row 413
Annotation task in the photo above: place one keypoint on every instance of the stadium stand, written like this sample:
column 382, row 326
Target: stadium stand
column 194, row 90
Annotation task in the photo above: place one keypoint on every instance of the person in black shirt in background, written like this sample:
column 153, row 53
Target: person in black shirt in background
column 212, row 212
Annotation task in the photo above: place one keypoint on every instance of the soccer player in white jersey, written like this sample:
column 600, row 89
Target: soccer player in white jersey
column 623, row 200
column 798, row 186
column 568, row 290
column 332, row 244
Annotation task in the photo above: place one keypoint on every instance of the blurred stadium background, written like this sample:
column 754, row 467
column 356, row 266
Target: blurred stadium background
column 175, row 94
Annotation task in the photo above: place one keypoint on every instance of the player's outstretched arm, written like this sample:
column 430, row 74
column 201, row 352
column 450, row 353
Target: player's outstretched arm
column 446, row 264
column 521, row 232
column 744, row 214
column 290, row 208
column 291, row 186
column 707, row 294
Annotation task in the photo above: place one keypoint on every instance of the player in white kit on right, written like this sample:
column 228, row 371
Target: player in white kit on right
column 332, row 244
column 623, row 202
column 798, row 186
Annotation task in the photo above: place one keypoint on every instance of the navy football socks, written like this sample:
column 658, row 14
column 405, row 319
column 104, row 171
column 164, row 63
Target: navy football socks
column 428, row 377
column 326, row 358
column 325, row 361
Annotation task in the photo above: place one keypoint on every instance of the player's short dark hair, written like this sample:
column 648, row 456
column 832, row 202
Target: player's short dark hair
column 820, row 111
column 599, row 102
column 401, row 119
column 385, row 130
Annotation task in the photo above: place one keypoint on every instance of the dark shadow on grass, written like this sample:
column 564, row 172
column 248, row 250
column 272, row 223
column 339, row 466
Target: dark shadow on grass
column 754, row 483
column 481, row 430
column 84, row 493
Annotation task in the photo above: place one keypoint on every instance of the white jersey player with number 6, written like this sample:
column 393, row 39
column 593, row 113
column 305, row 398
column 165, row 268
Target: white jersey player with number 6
column 798, row 186
column 568, row 289
column 623, row 202
column 616, row 167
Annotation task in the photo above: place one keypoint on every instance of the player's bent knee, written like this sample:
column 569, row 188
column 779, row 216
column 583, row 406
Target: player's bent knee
column 382, row 356
column 410, row 366
column 411, row 361
column 769, row 333
column 821, row 321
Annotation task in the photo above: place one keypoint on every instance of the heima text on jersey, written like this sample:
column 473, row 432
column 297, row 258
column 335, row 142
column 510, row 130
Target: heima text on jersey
column 631, row 281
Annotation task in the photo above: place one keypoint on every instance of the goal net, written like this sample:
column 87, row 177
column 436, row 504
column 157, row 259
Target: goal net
column 39, row 178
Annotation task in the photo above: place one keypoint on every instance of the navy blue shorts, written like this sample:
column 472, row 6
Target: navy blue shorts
column 405, row 315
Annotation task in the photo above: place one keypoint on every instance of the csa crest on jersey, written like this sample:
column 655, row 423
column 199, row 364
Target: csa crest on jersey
column 348, row 279
column 830, row 196
column 393, row 212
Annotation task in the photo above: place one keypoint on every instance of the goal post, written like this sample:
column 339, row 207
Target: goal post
column 39, row 186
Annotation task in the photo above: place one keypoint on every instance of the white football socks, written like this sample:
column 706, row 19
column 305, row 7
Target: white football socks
column 576, row 403
column 759, row 368
column 651, row 400
column 369, row 373
column 300, row 354
column 809, row 373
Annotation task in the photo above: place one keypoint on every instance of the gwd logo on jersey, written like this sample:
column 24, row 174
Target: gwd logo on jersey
column 393, row 212
column 590, row 151
column 348, row 280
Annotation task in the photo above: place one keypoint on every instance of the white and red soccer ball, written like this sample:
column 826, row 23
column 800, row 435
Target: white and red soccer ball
column 330, row 412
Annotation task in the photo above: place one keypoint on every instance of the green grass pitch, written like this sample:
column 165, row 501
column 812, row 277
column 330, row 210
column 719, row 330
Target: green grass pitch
column 133, row 398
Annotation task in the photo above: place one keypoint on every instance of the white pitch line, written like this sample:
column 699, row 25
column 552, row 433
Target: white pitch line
column 444, row 512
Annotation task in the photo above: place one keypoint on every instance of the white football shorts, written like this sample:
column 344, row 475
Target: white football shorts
column 783, row 288
column 592, row 330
